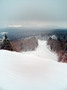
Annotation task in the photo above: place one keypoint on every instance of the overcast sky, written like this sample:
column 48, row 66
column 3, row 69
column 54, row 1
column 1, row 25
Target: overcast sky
column 19, row 11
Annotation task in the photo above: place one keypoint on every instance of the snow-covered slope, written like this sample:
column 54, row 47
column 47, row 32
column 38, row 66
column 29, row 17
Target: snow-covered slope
column 29, row 72
column 42, row 51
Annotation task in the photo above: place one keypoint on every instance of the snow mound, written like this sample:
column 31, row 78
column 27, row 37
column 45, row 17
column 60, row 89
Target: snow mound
column 29, row 72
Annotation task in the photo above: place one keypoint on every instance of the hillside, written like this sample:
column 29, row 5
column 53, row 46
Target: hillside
column 27, row 44
column 23, row 71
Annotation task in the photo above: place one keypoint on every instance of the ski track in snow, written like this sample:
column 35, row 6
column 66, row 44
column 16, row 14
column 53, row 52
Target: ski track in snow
column 42, row 51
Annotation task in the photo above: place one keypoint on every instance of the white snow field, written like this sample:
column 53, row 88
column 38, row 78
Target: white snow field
column 30, row 72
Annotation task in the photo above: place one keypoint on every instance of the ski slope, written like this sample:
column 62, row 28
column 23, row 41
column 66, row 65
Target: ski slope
column 43, row 51
column 25, row 71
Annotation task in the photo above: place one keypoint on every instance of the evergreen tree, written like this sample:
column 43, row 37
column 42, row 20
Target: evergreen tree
column 6, row 44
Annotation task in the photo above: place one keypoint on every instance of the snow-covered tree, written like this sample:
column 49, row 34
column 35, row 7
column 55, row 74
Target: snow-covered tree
column 6, row 43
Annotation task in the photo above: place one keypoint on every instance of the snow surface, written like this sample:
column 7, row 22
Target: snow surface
column 43, row 51
column 29, row 72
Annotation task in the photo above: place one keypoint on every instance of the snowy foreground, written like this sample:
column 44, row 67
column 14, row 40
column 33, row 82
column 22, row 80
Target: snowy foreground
column 31, row 72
